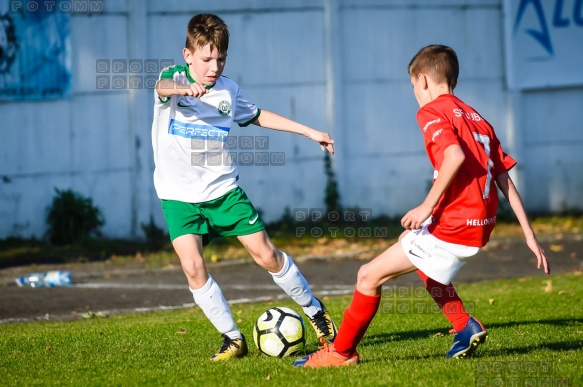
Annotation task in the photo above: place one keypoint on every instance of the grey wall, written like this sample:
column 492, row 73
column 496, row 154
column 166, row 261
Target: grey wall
column 336, row 65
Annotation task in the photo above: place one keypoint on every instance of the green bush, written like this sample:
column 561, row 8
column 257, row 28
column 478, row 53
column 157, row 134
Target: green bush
column 72, row 218
column 331, row 192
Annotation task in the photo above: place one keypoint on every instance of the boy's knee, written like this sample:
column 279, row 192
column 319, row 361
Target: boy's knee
column 193, row 267
column 271, row 260
column 365, row 277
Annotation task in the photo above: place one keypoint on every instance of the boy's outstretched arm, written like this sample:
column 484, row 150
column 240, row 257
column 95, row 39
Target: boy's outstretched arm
column 272, row 120
column 453, row 158
column 506, row 185
column 168, row 88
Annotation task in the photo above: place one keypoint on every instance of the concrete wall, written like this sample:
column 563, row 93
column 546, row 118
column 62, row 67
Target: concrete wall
column 336, row 65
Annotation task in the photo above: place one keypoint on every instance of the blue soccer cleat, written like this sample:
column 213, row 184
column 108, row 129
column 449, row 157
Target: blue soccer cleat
column 466, row 341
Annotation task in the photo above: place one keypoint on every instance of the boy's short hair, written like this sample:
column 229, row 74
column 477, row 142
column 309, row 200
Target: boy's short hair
column 206, row 29
column 439, row 62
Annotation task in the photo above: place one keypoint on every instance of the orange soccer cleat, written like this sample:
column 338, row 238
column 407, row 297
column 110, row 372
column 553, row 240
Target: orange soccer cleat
column 326, row 356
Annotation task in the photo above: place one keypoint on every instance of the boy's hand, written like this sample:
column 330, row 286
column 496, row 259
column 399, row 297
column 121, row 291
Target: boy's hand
column 168, row 88
column 541, row 256
column 193, row 90
column 324, row 139
column 415, row 218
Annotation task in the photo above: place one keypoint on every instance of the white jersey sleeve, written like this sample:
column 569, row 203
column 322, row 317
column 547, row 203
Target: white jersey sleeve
column 245, row 112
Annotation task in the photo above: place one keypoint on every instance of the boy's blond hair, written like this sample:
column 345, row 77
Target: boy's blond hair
column 206, row 29
column 439, row 62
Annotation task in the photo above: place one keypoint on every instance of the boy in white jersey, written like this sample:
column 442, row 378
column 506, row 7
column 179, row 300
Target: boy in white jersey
column 197, row 181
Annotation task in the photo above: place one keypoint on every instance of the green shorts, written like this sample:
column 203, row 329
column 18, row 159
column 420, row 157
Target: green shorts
column 230, row 215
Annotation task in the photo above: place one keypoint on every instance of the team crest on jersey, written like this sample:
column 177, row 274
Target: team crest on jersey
column 224, row 108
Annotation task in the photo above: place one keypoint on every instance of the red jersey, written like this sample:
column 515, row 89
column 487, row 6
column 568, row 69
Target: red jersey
column 466, row 212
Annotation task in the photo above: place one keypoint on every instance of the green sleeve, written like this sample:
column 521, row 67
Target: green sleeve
column 168, row 73
column 252, row 119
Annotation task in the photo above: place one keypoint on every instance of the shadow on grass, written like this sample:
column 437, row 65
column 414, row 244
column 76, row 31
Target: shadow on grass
column 554, row 346
column 383, row 338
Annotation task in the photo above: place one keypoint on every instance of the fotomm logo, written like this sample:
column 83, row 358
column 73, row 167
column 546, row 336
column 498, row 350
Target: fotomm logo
column 542, row 36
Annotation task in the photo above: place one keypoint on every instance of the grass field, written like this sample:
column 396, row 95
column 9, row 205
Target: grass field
column 536, row 339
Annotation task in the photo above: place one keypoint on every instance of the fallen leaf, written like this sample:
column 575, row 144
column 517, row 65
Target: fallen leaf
column 239, row 321
column 549, row 286
column 491, row 301
column 438, row 334
column 556, row 248
column 48, row 347
column 181, row 331
column 268, row 377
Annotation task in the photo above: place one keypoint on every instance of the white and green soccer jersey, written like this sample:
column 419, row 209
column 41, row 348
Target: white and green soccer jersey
column 189, row 137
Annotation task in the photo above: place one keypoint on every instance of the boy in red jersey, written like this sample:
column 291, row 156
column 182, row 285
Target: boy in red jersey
column 453, row 222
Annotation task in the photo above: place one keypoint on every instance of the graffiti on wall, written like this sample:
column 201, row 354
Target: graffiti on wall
column 35, row 55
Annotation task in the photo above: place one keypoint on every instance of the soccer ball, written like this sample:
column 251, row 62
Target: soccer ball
column 279, row 332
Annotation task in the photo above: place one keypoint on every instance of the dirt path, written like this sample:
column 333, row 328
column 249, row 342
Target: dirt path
column 111, row 289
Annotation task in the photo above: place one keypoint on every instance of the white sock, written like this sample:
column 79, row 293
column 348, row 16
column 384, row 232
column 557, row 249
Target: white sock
column 313, row 308
column 295, row 285
column 211, row 301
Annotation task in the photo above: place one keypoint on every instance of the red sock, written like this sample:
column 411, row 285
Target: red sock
column 357, row 318
column 448, row 300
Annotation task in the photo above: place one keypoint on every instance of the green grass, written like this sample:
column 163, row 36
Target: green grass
column 533, row 334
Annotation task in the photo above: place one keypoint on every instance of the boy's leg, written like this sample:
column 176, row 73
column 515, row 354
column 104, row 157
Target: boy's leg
column 448, row 300
column 367, row 296
column 209, row 297
column 469, row 332
column 287, row 275
column 365, row 303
